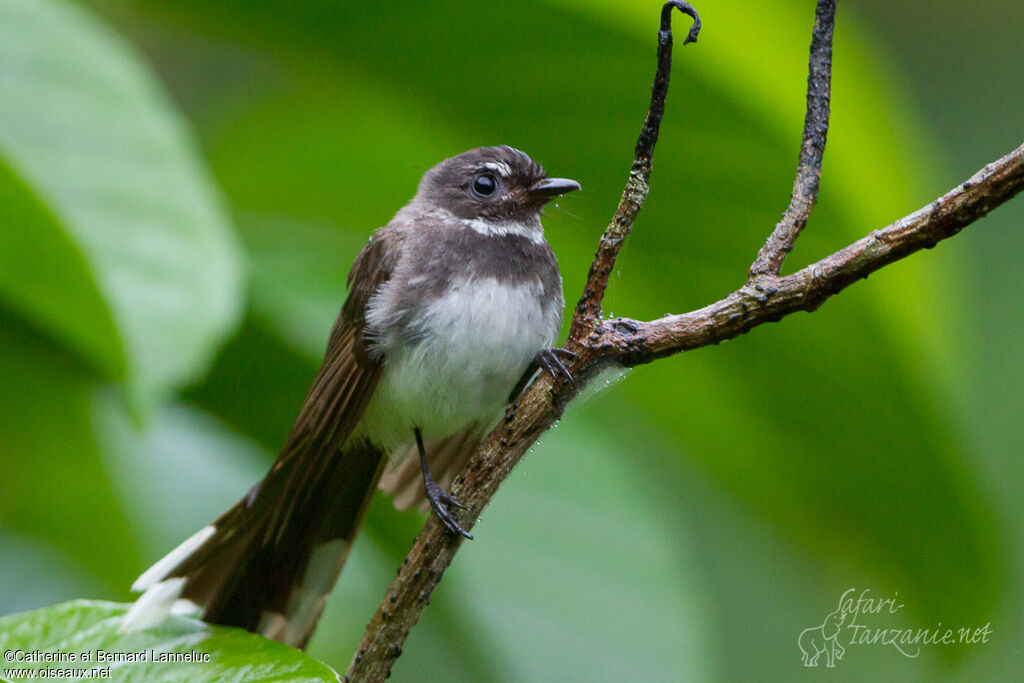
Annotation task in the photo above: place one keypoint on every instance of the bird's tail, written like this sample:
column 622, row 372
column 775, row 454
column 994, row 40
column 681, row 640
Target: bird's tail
column 268, row 563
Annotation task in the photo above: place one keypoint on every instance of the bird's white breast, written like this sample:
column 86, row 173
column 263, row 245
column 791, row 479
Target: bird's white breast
column 472, row 345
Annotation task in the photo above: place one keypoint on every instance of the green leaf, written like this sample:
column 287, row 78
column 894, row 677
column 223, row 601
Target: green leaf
column 84, row 627
column 86, row 128
column 45, row 277
column 53, row 481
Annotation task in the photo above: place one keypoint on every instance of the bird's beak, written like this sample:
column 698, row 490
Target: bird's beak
column 550, row 188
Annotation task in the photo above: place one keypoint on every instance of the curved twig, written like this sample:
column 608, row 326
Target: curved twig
column 685, row 8
column 588, row 310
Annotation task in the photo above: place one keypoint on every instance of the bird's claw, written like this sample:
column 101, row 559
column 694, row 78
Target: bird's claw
column 440, row 500
column 551, row 360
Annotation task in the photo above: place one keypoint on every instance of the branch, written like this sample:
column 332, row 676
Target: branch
column 759, row 301
column 808, row 174
column 598, row 343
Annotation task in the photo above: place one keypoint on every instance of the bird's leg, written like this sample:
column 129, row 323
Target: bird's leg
column 550, row 360
column 438, row 497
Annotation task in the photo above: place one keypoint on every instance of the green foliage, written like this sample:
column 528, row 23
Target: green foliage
column 204, row 653
column 55, row 484
column 687, row 523
column 96, row 163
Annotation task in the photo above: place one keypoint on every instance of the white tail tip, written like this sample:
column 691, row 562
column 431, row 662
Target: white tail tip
column 151, row 608
column 171, row 560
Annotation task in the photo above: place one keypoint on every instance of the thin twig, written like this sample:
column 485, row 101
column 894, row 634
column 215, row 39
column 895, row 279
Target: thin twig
column 588, row 310
column 808, row 174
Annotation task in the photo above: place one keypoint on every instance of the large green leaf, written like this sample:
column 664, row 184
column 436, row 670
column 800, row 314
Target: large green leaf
column 45, row 277
column 86, row 628
column 85, row 127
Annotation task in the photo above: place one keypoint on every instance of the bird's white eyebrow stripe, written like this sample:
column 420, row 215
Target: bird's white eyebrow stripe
column 498, row 167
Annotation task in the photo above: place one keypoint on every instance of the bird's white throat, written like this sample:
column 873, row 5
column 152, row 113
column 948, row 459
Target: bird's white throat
column 531, row 231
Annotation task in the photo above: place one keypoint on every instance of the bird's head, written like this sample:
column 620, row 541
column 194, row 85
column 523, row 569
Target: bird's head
column 497, row 185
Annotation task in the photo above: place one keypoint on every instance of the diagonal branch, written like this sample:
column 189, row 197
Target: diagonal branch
column 808, row 173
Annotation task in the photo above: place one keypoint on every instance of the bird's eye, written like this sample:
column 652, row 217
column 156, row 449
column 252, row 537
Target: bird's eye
column 484, row 185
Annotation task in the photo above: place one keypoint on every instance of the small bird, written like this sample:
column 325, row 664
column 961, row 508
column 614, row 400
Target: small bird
column 452, row 307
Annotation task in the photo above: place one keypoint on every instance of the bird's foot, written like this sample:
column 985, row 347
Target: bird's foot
column 440, row 502
column 552, row 361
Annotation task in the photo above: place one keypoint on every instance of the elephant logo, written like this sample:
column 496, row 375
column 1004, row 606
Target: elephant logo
column 823, row 639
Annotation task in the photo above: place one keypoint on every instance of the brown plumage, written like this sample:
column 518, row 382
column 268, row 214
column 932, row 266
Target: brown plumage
column 261, row 545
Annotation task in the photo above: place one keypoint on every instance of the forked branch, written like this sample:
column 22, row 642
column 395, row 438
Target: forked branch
column 598, row 343
column 759, row 301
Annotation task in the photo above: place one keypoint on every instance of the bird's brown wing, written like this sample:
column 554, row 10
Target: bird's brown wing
column 341, row 390
column 250, row 562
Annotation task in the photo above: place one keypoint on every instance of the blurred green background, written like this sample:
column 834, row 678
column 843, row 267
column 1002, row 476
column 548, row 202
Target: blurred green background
column 183, row 186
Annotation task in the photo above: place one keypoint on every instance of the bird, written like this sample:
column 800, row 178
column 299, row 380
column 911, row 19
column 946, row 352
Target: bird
column 452, row 307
